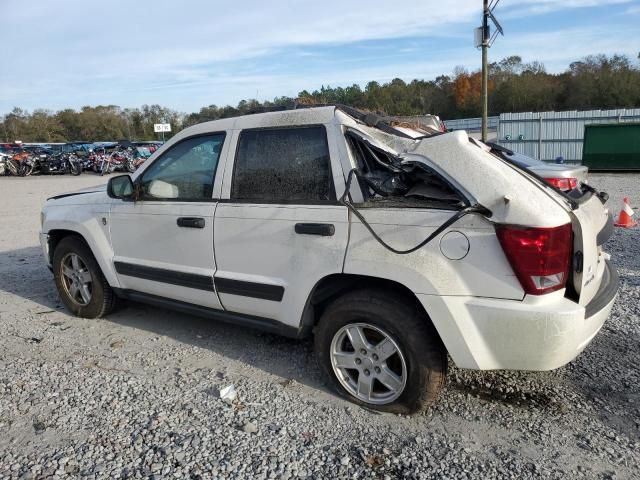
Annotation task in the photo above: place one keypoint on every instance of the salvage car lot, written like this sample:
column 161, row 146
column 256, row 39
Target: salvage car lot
column 138, row 393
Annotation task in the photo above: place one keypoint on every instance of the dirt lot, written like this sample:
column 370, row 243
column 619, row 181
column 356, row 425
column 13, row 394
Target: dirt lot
column 137, row 394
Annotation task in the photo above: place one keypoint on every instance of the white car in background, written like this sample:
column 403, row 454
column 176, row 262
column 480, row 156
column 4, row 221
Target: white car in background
column 392, row 251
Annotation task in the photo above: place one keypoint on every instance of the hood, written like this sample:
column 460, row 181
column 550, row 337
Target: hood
column 87, row 196
column 84, row 191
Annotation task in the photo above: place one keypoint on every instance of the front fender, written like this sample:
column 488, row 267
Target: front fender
column 91, row 222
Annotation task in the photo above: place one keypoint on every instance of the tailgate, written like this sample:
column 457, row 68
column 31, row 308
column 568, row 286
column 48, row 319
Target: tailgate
column 592, row 226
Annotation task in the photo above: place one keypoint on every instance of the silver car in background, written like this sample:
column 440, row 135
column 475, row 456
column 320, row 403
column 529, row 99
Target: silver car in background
column 562, row 176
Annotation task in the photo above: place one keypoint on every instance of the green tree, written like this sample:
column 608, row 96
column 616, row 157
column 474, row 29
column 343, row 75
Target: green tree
column 596, row 81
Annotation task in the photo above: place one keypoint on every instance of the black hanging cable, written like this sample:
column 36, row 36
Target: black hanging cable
column 347, row 203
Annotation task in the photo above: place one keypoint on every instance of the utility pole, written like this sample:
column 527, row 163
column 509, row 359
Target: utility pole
column 485, row 68
column 484, row 40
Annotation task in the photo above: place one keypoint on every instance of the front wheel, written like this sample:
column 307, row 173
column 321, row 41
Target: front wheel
column 131, row 166
column 12, row 167
column 75, row 168
column 80, row 282
column 381, row 351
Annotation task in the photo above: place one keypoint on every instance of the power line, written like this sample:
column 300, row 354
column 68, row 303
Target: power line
column 486, row 41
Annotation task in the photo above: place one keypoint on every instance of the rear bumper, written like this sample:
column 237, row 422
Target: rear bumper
column 538, row 333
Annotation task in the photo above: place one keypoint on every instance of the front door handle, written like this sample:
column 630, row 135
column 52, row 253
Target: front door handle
column 191, row 222
column 322, row 229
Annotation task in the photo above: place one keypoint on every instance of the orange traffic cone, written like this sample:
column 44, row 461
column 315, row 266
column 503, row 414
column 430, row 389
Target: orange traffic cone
column 624, row 219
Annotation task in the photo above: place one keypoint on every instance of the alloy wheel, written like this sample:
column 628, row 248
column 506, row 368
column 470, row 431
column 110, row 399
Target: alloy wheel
column 76, row 279
column 369, row 363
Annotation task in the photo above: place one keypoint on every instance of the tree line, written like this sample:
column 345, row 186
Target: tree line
column 594, row 82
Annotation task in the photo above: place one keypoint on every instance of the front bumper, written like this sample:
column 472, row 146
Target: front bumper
column 538, row 333
column 44, row 243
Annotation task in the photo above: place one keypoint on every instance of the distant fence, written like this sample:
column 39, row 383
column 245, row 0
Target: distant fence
column 471, row 124
column 546, row 135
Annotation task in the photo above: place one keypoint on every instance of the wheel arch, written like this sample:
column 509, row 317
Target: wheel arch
column 57, row 234
column 336, row 285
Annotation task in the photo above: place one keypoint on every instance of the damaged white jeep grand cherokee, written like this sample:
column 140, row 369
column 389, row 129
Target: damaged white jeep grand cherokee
column 394, row 251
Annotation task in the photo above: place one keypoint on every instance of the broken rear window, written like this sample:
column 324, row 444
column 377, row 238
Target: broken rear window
column 386, row 180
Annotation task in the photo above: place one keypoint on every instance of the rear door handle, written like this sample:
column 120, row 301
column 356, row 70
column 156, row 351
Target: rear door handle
column 191, row 222
column 322, row 229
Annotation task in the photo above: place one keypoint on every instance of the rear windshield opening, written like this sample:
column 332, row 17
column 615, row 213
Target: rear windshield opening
column 386, row 180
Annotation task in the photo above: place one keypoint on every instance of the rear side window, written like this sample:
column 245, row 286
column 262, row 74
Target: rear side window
column 283, row 165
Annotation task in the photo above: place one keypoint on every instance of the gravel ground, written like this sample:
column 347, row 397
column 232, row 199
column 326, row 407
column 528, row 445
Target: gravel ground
column 137, row 394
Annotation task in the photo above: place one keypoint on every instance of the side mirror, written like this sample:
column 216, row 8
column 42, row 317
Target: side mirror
column 120, row 187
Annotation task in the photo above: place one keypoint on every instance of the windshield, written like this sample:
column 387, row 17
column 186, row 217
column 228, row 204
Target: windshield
column 391, row 125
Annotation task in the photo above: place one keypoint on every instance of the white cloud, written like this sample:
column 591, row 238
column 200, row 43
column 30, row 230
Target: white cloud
column 525, row 8
column 162, row 33
column 557, row 48
column 75, row 52
column 58, row 45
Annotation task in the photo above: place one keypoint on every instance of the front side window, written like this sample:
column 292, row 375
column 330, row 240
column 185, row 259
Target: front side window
column 283, row 165
column 184, row 172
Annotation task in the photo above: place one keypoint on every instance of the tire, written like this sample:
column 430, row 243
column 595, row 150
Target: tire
column 420, row 354
column 101, row 299
column 75, row 168
column 130, row 166
column 12, row 167
column 27, row 169
column 23, row 169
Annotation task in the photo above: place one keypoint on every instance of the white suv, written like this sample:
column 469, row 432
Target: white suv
column 393, row 251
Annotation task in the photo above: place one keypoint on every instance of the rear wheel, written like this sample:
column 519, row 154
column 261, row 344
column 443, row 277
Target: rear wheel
column 80, row 282
column 27, row 168
column 380, row 351
column 23, row 169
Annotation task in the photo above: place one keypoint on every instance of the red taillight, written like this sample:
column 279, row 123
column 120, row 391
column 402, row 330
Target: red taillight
column 563, row 183
column 540, row 257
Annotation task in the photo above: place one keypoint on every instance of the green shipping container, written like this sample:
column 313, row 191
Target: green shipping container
column 613, row 146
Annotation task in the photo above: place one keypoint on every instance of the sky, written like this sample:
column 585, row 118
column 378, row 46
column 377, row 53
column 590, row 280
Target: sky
column 192, row 53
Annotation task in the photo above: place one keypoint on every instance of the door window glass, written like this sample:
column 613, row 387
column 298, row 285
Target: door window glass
column 184, row 172
column 283, row 165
